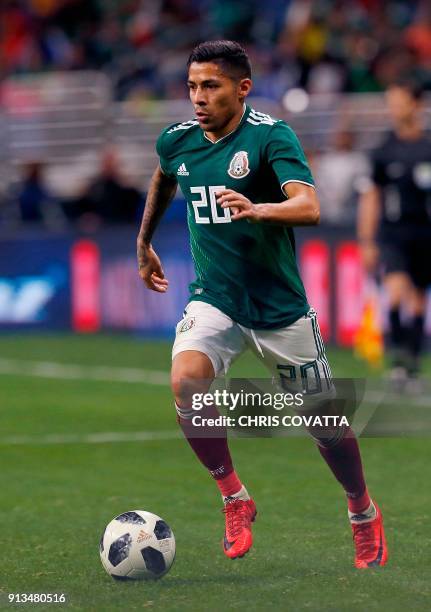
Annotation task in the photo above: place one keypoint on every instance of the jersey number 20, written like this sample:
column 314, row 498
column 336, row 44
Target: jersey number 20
column 208, row 201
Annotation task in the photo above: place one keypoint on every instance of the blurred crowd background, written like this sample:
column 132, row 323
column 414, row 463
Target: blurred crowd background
column 85, row 86
column 324, row 46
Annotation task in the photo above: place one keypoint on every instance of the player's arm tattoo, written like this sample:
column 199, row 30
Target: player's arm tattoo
column 160, row 194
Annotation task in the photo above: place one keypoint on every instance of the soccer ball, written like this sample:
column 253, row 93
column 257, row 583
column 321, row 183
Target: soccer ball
column 137, row 545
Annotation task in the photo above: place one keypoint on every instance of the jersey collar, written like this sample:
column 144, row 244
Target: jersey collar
column 243, row 118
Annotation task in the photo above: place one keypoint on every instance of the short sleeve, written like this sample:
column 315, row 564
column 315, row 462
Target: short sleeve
column 160, row 148
column 286, row 157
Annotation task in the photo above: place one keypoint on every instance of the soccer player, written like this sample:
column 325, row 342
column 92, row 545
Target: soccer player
column 247, row 183
column 394, row 224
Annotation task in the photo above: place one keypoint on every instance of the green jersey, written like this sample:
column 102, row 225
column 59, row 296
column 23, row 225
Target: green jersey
column 247, row 270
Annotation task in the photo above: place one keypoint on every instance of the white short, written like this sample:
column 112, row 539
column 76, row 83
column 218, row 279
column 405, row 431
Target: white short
column 294, row 353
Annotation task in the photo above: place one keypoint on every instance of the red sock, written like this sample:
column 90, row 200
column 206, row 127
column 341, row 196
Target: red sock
column 344, row 460
column 212, row 452
column 359, row 504
column 229, row 485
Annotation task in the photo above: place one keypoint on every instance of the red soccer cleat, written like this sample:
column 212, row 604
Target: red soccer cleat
column 238, row 537
column 370, row 543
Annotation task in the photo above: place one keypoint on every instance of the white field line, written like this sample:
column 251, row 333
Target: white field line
column 95, row 438
column 105, row 437
column 391, row 399
column 68, row 371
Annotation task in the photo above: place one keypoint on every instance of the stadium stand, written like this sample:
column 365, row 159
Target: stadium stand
column 80, row 76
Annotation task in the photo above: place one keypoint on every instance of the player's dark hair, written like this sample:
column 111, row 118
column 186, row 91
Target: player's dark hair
column 413, row 87
column 230, row 55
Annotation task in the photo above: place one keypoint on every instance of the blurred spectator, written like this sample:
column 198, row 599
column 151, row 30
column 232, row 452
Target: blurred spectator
column 418, row 37
column 36, row 204
column 108, row 199
column 325, row 46
column 341, row 174
column 322, row 46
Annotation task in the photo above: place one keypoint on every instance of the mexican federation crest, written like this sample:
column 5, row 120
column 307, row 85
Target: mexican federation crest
column 238, row 167
column 187, row 324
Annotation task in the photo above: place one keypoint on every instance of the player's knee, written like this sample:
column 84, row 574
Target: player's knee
column 324, row 419
column 185, row 387
column 192, row 373
column 328, row 437
column 181, row 389
column 185, row 383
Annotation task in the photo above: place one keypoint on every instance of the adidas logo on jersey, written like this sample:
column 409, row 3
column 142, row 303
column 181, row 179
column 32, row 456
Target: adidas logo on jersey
column 182, row 170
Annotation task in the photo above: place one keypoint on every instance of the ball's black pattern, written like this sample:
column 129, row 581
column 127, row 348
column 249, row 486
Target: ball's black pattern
column 162, row 530
column 119, row 550
column 154, row 560
column 131, row 517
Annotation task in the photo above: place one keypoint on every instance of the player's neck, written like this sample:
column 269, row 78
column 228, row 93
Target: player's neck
column 409, row 130
column 230, row 127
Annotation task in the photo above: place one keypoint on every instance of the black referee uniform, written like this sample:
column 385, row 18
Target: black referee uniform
column 401, row 169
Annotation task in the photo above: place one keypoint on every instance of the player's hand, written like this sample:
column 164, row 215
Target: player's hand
column 240, row 206
column 369, row 255
column 150, row 268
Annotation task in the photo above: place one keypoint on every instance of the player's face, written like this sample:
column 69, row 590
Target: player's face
column 402, row 106
column 216, row 97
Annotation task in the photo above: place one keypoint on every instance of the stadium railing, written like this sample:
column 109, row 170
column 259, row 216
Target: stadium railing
column 65, row 120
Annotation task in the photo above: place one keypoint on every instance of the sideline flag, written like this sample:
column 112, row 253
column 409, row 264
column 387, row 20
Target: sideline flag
column 368, row 341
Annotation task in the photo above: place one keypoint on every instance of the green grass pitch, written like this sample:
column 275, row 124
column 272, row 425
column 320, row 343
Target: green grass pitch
column 60, row 487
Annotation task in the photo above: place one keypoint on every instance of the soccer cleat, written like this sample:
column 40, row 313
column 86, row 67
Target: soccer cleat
column 370, row 543
column 239, row 515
